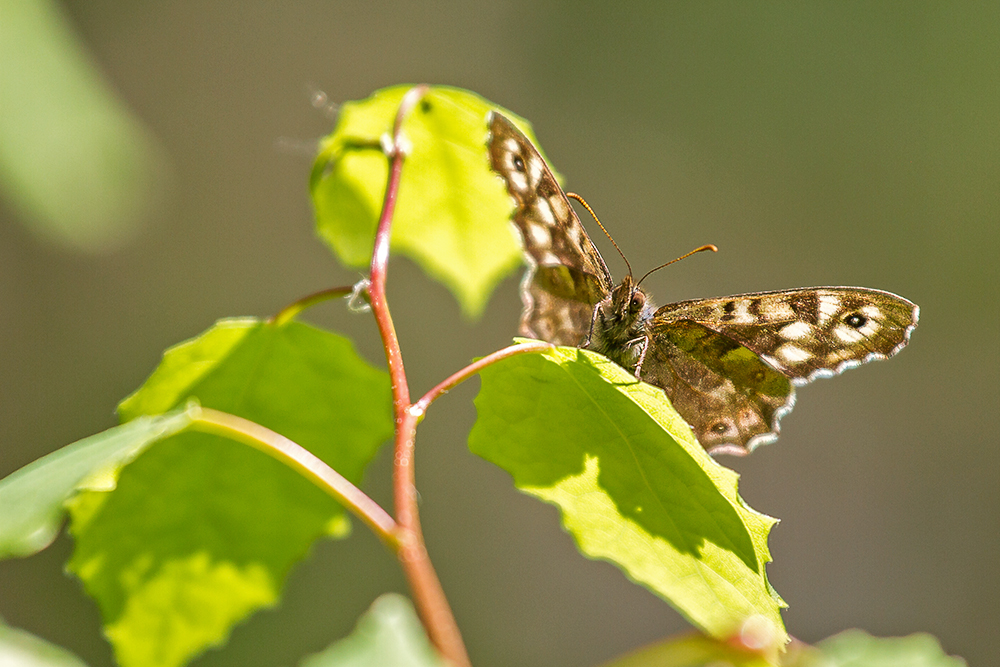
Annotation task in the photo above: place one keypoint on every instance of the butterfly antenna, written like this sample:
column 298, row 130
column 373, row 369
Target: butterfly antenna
column 580, row 199
column 696, row 250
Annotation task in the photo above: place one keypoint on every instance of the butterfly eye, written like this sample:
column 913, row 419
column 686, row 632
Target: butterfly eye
column 518, row 164
column 638, row 301
column 856, row 320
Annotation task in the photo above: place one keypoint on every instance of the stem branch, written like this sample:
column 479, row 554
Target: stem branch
column 420, row 407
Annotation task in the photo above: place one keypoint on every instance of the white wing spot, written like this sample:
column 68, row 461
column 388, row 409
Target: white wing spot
column 518, row 181
column 795, row 330
column 565, row 319
column 829, row 305
column 847, row 334
column 545, row 212
column 742, row 313
column 872, row 311
column 575, row 235
column 540, row 237
column 535, row 169
column 870, row 327
column 793, row 354
column 549, row 258
column 510, row 143
column 559, row 207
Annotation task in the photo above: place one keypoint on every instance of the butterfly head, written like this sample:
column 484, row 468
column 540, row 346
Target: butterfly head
column 619, row 322
column 628, row 301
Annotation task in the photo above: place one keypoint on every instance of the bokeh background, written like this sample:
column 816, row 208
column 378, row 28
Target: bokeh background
column 836, row 143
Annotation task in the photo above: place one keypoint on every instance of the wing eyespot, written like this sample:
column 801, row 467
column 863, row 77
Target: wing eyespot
column 519, row 164
column 855, row 320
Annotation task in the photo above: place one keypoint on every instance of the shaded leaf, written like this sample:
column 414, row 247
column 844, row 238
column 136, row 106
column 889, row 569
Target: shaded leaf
column 201, row 531
column 33, row 498
column 452, row 215
column 856, row 648
column 23, row 649
column 632, row 483
column 388, row 635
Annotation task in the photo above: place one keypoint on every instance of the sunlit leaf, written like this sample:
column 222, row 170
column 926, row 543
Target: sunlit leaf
column 633, row 485
column 452, row 215
column 201, row 531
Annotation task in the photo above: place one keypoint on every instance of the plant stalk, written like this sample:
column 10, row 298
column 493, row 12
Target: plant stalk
column 428, row 595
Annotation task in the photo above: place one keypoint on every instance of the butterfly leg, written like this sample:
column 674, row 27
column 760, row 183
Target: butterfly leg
column 644, row 342
column 590, row 334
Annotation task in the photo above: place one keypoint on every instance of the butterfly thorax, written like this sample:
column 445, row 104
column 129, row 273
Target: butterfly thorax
column 619, row 327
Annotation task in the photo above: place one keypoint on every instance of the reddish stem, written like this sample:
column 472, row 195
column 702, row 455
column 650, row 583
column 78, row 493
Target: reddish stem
column 432, row 605
column 420, row 407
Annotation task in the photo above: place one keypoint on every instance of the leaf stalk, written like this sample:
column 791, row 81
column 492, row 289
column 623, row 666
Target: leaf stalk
column 304, row 462
column 291, row 310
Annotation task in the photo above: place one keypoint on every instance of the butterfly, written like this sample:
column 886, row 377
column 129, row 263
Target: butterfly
column 728, row 365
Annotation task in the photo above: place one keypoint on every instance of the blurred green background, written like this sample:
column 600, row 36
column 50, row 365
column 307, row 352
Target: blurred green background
column 841, row 143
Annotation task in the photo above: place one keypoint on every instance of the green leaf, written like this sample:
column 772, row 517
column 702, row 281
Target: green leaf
column 201, row 531
column 856, row 648
column 33, row 498
column 452, row 215
column 852, row 648
column 23, row 649
column 691, row 650
column 631, row 482
column 388, row 635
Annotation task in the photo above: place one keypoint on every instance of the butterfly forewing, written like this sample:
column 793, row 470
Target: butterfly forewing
column 805, row 333
column 567, row 275
column 728, row 365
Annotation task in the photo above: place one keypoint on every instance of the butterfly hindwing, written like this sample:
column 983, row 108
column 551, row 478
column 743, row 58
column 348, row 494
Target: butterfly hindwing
column 567, row 275
column 730, row 397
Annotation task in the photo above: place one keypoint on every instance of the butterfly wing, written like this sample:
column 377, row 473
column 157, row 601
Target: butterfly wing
column 728, row 364
column 567, row 276
column 731, row 398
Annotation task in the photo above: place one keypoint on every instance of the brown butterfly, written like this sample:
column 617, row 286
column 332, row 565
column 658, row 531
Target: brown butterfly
column 728, row 365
